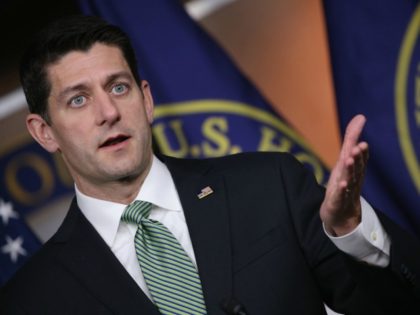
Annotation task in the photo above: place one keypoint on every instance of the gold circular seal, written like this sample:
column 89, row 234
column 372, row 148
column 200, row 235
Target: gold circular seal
column 406, row 60
column 273, row 135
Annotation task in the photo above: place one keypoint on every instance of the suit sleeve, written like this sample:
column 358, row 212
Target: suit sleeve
column 349, row 286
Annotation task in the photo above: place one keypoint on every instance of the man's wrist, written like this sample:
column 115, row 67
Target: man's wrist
column 368, row 242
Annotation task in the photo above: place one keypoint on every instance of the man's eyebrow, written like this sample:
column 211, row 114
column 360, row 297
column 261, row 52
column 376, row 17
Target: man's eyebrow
column 71, row 89
column 115, row 76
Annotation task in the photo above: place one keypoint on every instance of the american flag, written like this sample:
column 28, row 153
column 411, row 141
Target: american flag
column 17, row 241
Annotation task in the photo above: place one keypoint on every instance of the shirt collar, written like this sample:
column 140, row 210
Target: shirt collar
column 158, row 188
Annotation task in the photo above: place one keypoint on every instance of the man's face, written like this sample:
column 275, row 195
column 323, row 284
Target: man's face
column 100, row 119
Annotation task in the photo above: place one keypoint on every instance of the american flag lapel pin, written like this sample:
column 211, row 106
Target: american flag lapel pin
column 205, row 192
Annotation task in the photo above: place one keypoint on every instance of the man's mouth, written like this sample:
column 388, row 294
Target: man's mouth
column 114, row 140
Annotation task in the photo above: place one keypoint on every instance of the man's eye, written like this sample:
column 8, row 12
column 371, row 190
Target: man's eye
column 119, row 89
column 78, row 101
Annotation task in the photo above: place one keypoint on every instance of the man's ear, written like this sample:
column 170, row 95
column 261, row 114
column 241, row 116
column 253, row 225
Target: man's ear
column 148, row 100
column 41, row 132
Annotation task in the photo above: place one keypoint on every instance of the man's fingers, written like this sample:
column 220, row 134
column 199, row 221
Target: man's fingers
column 360, row 154
column 352, row 134
column 356, row 165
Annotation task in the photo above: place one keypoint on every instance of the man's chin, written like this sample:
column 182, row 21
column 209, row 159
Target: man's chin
column 125, row 174
column 125, row 170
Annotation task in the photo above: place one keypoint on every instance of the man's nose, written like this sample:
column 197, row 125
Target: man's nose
column 107, row 110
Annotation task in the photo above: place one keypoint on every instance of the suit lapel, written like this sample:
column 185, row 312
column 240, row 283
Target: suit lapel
column 208, row 225
column 92, row 263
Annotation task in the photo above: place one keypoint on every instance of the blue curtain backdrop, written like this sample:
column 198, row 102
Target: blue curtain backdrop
column 375, row 52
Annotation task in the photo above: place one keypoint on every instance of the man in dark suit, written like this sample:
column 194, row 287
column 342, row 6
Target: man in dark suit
column 262, row 236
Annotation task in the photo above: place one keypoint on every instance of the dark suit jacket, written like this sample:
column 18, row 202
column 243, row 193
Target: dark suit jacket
column 258, row 238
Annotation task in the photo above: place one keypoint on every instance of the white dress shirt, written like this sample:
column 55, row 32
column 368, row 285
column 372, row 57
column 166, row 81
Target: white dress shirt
column 159, row 189
column 368, row 242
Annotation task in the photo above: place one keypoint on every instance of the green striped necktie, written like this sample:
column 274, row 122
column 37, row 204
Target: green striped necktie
column 171, row 277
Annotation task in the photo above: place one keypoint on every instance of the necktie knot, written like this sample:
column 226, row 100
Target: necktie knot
column 136, row 211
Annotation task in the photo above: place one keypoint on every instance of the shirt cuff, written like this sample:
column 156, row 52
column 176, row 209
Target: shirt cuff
column 369, row 242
